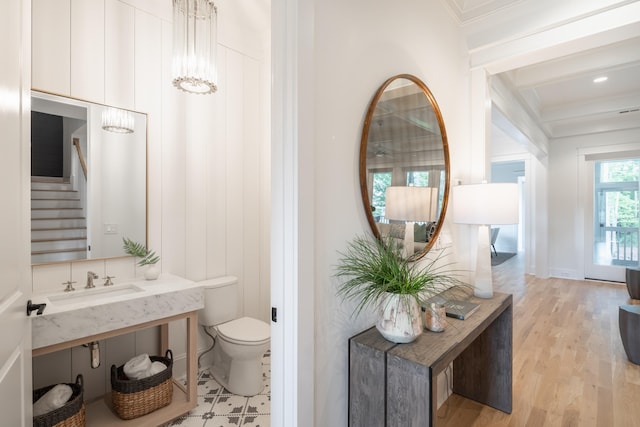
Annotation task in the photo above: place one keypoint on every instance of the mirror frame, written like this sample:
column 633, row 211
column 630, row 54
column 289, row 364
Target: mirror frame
column 364, row 189
column 57, row 98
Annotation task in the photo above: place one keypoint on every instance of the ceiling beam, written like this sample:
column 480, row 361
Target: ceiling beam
column 620, row 55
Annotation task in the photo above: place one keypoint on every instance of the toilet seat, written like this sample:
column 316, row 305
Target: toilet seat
column 245, row 331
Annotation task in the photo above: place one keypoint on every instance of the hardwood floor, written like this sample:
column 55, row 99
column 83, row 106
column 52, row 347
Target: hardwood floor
column 569, row 366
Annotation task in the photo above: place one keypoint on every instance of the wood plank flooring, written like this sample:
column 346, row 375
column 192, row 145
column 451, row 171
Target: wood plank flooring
column 569, row 366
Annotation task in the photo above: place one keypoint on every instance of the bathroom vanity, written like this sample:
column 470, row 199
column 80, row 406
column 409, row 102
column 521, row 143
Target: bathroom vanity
column 85, row 315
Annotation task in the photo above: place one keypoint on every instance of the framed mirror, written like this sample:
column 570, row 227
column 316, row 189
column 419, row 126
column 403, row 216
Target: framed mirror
column 88, row 184
column 404, row 165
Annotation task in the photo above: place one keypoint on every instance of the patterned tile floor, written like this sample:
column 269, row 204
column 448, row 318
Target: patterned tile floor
column 217, row 407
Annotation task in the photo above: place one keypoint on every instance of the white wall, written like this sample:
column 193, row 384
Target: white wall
column 358, row 45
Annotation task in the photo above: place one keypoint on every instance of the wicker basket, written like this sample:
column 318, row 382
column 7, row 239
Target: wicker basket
column 135, row 398
column 70, row 415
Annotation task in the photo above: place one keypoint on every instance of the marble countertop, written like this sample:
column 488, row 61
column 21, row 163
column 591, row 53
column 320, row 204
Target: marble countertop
column 122, row 305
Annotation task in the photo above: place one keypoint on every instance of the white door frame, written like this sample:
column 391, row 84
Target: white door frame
column 15, row 259
column 586, row 190
column 292, row 225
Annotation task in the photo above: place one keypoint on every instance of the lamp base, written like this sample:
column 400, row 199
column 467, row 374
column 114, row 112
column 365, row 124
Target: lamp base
column 408, row 239
column 480, row 293
column 483, row 286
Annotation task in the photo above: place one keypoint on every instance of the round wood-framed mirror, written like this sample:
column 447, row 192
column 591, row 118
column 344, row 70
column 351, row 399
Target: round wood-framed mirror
column 404, row 165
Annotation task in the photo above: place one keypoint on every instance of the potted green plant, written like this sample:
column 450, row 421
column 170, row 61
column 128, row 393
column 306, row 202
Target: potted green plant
column 378, row 275
column 146, row 257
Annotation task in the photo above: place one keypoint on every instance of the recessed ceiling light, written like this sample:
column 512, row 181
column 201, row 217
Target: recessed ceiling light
column 600, row 79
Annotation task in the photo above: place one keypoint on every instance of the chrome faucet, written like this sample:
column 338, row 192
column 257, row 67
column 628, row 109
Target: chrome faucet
column 90, row 276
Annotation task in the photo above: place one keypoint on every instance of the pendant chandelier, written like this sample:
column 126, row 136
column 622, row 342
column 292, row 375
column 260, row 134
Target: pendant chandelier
column 117, row 120
column 194, row 45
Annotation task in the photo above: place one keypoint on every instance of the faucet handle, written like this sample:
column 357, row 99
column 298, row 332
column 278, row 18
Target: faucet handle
column 108, row 281
column 69, row 285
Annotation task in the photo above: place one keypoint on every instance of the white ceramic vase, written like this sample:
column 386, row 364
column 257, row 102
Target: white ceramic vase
column 152, row 272
column 399, row 318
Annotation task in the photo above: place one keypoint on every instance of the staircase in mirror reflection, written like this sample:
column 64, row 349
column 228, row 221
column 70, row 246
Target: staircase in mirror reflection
column 58, row 221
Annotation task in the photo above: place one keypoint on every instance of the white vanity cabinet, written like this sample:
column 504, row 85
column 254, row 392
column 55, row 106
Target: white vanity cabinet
column 185, row 397
column 85, row 315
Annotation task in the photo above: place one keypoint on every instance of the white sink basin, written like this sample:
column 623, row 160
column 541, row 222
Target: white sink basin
column 82, row 313
column 86, row 295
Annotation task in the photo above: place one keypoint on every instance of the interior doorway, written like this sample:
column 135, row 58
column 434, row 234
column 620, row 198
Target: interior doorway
column 613, row 237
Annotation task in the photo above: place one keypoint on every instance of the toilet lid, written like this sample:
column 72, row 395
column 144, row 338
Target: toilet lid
column 245, row 329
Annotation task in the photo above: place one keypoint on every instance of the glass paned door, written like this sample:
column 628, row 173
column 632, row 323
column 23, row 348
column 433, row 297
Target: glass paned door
column 616, row 223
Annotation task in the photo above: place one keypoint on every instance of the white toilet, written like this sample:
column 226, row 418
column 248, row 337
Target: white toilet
column 240, row 343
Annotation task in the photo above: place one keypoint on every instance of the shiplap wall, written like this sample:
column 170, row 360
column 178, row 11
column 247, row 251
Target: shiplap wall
column 208, row 156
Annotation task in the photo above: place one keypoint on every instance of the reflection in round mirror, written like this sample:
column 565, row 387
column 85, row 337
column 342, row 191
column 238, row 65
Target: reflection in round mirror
column 404, row 165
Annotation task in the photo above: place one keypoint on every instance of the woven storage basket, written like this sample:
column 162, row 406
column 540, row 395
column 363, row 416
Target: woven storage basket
column 70, row 415
column 135, row 398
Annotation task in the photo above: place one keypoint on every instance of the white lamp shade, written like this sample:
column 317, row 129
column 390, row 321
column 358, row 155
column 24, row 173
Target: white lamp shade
column 485, row 204
column 416, row 204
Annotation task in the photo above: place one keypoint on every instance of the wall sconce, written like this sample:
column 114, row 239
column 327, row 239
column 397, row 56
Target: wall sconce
column 484, row 205
column 410, row 204
column 117, row 120
column 195, row 29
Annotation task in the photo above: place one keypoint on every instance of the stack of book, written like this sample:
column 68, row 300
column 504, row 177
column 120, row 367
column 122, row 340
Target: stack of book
column 458, row 309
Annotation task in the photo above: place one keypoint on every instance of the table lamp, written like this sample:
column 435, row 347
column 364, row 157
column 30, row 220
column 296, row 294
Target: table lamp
column 410, row 204
column 483, row 205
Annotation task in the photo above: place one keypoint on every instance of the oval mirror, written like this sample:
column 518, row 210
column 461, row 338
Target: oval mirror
column 404, row 165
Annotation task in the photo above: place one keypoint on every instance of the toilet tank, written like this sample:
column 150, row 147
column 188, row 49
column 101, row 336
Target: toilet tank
column 220, row 300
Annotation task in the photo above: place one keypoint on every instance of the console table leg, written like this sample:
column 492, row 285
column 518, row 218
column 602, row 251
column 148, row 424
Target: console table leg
column 408, row 389
column 367, row 392
column 483, row 372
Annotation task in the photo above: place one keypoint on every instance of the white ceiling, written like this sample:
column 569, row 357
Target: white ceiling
column 469, row 10
column 560, row 95
column 562, row 98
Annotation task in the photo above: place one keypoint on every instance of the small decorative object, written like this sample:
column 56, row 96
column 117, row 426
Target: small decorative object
column 399, row 318
column 379, row 275
column 435, row 317
column 152, row 272
column 147, row 257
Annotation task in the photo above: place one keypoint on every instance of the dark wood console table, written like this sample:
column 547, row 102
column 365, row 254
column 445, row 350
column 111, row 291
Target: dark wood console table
column 395, row 384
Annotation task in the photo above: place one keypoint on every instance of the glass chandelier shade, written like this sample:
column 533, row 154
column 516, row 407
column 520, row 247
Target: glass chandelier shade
column 117, row 120
column 195, row 29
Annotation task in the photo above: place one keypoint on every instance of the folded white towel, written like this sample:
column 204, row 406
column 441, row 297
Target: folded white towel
column 53, row 399
column 138, row 367
column 157, row 367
